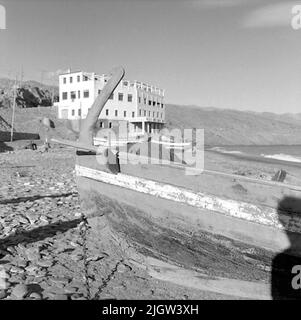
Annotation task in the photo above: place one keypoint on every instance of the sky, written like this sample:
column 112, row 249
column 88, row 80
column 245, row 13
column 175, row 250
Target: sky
column 238, row 54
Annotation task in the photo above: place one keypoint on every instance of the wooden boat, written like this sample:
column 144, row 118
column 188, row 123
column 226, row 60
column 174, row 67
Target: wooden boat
column 210, row 231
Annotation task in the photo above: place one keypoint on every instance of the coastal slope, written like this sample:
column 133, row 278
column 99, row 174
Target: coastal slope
column 233, row 127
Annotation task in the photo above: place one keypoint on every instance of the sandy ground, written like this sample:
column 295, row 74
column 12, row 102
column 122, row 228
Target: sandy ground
column 42, row 252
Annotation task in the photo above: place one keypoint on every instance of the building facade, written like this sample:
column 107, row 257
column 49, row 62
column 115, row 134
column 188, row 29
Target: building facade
column 137, row 103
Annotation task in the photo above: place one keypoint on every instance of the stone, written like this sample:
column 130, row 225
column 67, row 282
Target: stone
column 32, row 254
column 121, row 268
column 95, row 258
column 15, row 269
column 45, row 263
column 20, row 291
column 3, row 294
column 22, row 263
column 36, row 296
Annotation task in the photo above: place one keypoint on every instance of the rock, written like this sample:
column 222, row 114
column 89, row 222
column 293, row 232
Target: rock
column 77, row 296
column 33, row 254
column 70, row 289
column 77, row 257
column 31, row 269
column 20, row 291
column 22, row 263
column 4, row 276
column 36, row 296
column 3, row 294
column 95, row 258
column 121, row 268
column 45, row 263
column 15, row 269
column 60, row 282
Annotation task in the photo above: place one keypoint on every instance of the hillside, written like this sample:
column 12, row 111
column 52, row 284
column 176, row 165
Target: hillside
column 232, row 127
column 29, row 94
column 28, row 123
column 222, row 126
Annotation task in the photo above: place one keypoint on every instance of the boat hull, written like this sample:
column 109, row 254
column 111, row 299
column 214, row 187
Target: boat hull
column 186, row 236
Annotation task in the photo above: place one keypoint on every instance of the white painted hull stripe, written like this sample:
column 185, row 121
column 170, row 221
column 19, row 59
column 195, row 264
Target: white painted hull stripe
column 242, row 210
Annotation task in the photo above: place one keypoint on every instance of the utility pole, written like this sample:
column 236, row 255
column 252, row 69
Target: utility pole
column 13, row 115
column 21, row 76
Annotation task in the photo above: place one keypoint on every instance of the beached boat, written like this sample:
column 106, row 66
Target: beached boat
column 210, row 230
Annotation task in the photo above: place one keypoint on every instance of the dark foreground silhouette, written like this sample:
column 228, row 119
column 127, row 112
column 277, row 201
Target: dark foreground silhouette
column 286, row 284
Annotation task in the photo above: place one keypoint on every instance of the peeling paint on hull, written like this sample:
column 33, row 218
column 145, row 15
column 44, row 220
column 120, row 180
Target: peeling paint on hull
column 262, row 215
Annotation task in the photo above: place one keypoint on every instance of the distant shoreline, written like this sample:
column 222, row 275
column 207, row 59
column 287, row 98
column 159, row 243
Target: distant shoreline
column 255, row 158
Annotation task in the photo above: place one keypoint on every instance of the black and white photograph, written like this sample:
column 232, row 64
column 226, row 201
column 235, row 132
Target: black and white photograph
column 150, row 150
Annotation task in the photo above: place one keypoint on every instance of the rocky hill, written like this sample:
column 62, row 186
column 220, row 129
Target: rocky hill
column 28, row 95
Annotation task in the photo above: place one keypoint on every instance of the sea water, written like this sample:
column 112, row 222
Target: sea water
column 291, row 153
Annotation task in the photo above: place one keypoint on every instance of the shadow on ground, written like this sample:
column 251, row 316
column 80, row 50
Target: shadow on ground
column 4, row 147
column 38, row 234
column 37, row 197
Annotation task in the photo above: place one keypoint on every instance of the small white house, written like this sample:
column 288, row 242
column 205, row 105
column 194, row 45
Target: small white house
column 139, row 104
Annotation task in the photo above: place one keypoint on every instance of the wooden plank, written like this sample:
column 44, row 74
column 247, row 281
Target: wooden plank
column 237, row 209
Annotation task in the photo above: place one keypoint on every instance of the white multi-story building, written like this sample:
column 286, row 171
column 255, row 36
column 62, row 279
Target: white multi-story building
column 139, row 104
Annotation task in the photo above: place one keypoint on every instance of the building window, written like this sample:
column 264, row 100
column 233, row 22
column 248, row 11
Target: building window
column 73, row 95
column 78, row 78
column 157, row 114
column 99, row 91
column 79, row 112
column 86, row 94
column 139, row 99
column 158, row 104
column 144, row 100
column 85, row 78
column 100, row 125
column 65, row 96
column 161, row 105
column 149, row 102
column 120, row 96
column 78, row 94
column 107, row 112
column 149, row 113
column 133, row 114
column 110, row 124
column 73, row 112
column 153, row 114
column 116, row 113
column 64, row 80
column 124, row 114
column 125, row 83
column 154, row 103
column 111, row 97
column 71, row 79
column 130, row 97
column 145, row 113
